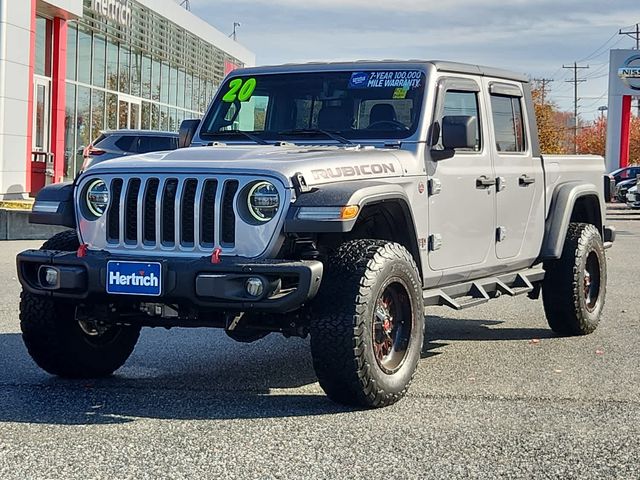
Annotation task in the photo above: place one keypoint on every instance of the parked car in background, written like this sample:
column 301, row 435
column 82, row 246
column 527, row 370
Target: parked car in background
column 626, row 173
column 120, row 143
column 633, row 199
column 622, row 188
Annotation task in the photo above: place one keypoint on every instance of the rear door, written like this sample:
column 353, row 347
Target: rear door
column 519, row 176
column 462, row 194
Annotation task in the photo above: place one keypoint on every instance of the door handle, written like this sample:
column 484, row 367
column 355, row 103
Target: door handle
column 525, row 180
column 485, row 182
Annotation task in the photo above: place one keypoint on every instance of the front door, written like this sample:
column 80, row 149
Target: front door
column 462, row 191
column 129, row 113
column 519, row 176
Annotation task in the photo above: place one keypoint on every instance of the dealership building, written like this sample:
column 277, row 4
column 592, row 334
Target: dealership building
column 72, row 68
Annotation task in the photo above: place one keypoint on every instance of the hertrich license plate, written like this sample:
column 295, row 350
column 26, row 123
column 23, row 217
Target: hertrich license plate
column 134, row 278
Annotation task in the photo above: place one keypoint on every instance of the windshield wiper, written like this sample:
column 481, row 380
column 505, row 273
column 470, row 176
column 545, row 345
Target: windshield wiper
column 249, row 135
column 306, row 131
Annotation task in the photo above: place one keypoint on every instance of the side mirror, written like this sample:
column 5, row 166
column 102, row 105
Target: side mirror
column 188, row 130
column 459, row 131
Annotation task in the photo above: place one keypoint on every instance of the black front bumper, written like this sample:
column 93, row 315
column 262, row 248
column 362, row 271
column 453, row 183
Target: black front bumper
column 197, row 282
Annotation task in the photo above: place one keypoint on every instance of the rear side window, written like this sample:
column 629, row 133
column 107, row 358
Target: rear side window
column 126, row 143
column 508, row 123
column 149, row 143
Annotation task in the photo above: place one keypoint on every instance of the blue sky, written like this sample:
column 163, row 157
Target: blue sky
column 533, row 37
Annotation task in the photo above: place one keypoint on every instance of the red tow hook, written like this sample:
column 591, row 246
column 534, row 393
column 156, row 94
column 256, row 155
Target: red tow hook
column 215, row 256
column 82, row 250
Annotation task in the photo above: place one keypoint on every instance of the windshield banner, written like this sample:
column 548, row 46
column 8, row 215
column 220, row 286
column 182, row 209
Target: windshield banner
column 406, row 79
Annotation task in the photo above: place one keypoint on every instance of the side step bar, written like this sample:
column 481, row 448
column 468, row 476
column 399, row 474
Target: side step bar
column 477, row 292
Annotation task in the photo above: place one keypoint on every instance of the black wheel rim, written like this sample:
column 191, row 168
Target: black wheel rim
column 591, row 281
column 392, row 326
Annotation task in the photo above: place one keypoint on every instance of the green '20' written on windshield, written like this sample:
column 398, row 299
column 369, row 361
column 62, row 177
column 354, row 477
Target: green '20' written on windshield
column 240, row 89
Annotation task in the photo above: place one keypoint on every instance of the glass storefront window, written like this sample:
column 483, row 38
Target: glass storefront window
column 83, row 122
column 124, row 63
column 181, row 87
column 70, row 132
column 188, row 94
column 136, row 73
column 164, row 83
column 155, row 81
column 146, row 77
column 43, row 46
column 173, row 85
column 164, row 118
column 72, row 51
column 97, row 113
column 155, row 117
column 112, row 111
column 172, row 119
column 112, row 65
column 99, row 59
column 84, row 56
column 145, row 123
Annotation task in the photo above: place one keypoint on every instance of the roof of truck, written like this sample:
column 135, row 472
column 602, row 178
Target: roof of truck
column 440, row 65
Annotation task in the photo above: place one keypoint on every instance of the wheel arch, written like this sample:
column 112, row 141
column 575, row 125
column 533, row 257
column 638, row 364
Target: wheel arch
column 386, row 205
column 571, row 202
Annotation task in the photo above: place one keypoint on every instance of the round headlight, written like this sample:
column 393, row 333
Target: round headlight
column 97, row 198
column 263, row 201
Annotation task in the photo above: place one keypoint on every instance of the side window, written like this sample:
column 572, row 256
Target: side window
column 126, row 143
column 149, row 143
column 463, row 103
column 508, row 123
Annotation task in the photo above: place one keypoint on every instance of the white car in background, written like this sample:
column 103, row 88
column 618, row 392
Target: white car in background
column 633, row 198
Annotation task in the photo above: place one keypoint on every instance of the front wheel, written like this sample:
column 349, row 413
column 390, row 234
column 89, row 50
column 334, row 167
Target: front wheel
column 574, row 288
column 367, row 334
column 71, row 347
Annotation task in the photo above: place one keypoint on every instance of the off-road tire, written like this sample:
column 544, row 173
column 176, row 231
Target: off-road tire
column 55, row 340
column 569, row 309
column 342, row 338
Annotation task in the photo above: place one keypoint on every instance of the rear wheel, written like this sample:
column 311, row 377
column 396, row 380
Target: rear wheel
column 367, row 335
column 575, row 285
column 65, row 344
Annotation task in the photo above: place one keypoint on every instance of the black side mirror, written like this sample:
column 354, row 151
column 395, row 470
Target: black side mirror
column 459, row 131
column 188, row 130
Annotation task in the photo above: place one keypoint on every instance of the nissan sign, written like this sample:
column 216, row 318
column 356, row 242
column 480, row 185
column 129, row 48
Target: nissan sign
column 116, row 10
column 630, row 72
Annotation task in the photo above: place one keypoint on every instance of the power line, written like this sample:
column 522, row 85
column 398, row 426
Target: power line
column 635, row 34
column 543, row 82
column 575, row 67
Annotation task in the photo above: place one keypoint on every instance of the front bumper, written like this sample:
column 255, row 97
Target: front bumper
column 197, row 282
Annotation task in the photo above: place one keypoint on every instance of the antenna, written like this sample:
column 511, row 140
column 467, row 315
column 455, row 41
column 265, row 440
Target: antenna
column 234, row 33
column 186, row 4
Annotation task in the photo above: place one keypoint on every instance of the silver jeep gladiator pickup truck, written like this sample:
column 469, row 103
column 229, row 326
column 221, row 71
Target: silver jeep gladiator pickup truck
column 330, row 200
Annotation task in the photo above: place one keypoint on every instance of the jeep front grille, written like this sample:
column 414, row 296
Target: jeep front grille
column 168, row 209
column 175, row 213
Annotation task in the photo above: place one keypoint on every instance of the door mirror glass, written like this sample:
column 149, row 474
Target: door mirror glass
column 188, row 130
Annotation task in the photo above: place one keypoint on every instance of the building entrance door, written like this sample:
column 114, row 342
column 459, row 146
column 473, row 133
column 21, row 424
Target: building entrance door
column 129, row 113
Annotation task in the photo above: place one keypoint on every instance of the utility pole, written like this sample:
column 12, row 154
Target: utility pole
column 635, row 34
column 543, row 82
column 575, row 67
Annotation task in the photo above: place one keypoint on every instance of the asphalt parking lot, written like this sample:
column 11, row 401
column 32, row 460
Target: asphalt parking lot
column 497, row 395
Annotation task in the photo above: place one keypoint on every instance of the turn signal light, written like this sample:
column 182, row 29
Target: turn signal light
column 349, row 212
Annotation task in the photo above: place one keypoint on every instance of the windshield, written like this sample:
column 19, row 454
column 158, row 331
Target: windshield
column 332, row 106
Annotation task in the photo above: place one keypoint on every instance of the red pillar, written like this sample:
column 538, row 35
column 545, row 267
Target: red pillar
column 32, row 63
column 625, row 131
column 58, row 96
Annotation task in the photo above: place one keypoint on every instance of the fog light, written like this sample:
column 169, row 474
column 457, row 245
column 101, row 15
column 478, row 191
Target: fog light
column 254, row 286
column 49, row 277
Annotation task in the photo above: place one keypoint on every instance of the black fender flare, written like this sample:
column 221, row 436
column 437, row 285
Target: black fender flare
column 563, row 201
